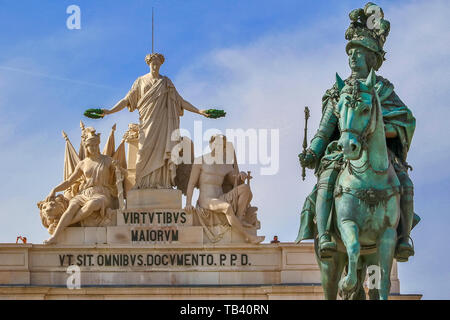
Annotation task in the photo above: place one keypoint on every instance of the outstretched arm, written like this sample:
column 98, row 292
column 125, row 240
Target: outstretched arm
column 119, row 106
column 193, row 179
column 189, row 107
column 66, row 184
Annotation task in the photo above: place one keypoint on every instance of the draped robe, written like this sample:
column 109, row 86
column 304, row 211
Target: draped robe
column 160, row 107
column 97, row 184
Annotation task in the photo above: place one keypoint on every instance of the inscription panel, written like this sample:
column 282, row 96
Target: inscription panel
column 154, row 218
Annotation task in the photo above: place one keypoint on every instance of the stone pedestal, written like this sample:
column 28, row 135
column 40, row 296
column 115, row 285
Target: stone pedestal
column 152, row 217
column 133, row 146
column 263, row 292
column 232, row 271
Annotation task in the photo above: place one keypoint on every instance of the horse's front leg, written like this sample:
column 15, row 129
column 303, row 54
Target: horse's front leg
column 330, row 271
column 349, row 234
column 386, row 250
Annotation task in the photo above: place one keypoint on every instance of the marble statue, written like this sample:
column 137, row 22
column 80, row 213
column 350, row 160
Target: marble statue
column 95, row 195
column 160, row 108
column 222, row 190
column 363, row 194
column 51, row 211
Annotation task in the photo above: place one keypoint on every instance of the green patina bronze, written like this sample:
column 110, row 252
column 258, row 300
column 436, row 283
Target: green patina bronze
column 360, row 212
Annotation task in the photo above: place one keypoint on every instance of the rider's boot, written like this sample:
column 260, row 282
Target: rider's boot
column 323, row 210
column 404, row 249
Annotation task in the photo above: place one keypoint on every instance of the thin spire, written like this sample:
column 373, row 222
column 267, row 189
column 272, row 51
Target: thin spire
column 152, row 30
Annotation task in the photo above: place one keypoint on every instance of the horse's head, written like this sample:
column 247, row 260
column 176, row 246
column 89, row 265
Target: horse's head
column 357, row 112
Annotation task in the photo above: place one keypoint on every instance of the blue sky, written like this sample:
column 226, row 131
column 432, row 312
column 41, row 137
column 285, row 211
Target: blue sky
column 262, row 61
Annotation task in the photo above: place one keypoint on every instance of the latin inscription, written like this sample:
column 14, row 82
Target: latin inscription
column 156, row 235
column 132, row 218
column 149, row 260
column 162, row 225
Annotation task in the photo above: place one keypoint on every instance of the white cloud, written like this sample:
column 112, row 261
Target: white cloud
column 418, row 64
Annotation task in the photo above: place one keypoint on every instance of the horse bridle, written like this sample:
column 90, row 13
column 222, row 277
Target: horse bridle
column 363, row 136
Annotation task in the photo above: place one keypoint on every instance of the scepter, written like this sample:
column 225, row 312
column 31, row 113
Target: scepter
column 305, row 141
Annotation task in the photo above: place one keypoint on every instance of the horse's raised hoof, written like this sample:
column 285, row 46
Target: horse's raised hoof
column 347, row 283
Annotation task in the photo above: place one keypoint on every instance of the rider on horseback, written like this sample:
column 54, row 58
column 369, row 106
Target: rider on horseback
column 365, row 51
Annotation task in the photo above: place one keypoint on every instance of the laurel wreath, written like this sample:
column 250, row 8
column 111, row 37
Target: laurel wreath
column 94, row 113
column 98, row 113
column 214, row 113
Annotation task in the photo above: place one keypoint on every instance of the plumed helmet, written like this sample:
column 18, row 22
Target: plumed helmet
column 368, row 29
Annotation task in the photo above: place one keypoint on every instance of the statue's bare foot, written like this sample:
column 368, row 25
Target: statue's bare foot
column 50, row 240
column 256, row 239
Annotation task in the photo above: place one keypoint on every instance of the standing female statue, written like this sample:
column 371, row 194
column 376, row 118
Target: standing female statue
column 160, row 107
